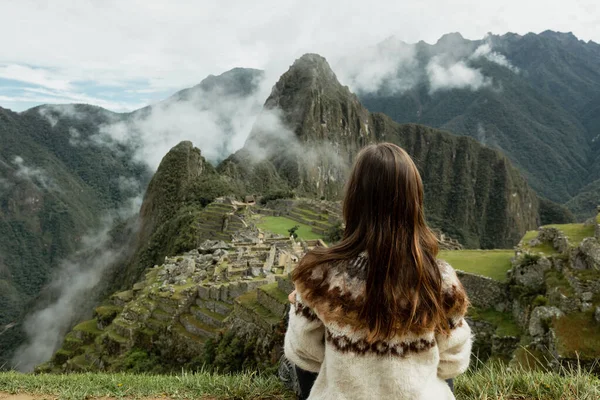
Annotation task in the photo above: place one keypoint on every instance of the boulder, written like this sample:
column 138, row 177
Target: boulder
column 533, row 275
column 540, row 318
column 597, row 314
column 587, row 255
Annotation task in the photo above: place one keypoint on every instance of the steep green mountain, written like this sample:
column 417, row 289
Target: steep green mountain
column 538, row 102
column 51, row 194
column 169, row 221
column 312, row 127
column 64, row 167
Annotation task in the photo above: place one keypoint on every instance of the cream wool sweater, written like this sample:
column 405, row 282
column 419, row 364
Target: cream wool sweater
column 322, row 337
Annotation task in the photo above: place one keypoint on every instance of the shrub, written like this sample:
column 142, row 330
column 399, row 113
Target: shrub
column 334, row 233
column 276, row 195
column 530, row 259
column 540, row 300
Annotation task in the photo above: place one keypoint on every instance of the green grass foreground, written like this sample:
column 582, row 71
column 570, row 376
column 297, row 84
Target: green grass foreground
column 493, row 381
column 281, row 225
column 491, row 263
column 203, row 386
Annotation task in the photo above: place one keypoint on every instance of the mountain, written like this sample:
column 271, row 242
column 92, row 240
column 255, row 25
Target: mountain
column 52, row 193
column 64, row 169
column 534, row 97
column 168, row 221
column 303, row 142
column 312, row 127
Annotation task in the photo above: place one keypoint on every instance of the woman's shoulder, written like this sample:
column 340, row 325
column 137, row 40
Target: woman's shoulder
column 333, row 283
column 447, row 272
column 455, row 296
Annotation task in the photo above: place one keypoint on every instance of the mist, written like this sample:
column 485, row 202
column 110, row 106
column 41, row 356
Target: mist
column 217, row 121
column 73, row 290
column 37, row 176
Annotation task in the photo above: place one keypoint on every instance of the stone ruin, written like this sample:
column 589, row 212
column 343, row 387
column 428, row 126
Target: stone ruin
column 239, row 286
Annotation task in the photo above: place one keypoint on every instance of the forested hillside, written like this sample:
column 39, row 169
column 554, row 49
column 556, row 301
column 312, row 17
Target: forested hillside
column 52, row 193
column 68, row 172
column 536, row 98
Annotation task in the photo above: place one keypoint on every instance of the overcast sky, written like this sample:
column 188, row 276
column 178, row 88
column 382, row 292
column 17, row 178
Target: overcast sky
column 124, row 54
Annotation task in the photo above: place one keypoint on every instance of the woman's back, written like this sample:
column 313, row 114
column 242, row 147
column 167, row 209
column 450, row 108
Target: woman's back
column 324, row 336
column 376, row 315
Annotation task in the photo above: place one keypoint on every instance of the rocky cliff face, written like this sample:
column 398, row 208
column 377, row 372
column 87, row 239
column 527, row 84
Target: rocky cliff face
column 312, row 127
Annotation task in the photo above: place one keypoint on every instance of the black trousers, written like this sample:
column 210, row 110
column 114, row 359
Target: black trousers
column 306, row 380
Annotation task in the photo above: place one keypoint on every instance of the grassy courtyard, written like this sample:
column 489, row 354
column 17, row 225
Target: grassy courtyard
column 281, row 225
column 490, row 263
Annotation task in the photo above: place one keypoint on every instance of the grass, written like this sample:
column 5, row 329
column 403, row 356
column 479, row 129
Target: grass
column 184, row 386
column 491, row 381
column 504, row 323
column 497, row 382
column 556, row 279
column 578, row 335
column 575, row 232
column 90, row 326
column 491, row 263
column 281, row 225
column 545, row 247
column 250, row 301
column 273, row 290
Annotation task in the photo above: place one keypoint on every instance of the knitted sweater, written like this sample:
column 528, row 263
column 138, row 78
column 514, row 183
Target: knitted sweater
column 323, row 336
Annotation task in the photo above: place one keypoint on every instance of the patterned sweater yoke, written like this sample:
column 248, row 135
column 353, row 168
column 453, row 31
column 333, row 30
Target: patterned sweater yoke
column 326, row 336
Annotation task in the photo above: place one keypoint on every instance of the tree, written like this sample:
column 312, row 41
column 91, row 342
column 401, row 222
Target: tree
column 293, row 233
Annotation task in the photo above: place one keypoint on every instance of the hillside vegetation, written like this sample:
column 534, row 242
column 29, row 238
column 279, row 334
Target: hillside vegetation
column 540, row 109
column 52, row 194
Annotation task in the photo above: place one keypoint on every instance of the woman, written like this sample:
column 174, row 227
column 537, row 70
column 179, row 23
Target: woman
column 377, row 316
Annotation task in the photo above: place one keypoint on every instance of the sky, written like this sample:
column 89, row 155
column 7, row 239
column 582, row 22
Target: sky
column 125, row 54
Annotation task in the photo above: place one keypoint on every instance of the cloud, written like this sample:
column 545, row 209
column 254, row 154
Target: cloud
column 74, row 289
column 485, row 51
column 454, row 75
column 37, row 76
column 391, row 64
column 217, row 122
column 35, row 175
column 4, row 184
column 319, row 163
column 174, row 44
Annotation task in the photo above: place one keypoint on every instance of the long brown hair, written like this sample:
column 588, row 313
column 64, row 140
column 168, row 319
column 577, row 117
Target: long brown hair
column 383, row 212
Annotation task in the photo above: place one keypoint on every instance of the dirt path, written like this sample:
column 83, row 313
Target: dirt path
column 24, row 396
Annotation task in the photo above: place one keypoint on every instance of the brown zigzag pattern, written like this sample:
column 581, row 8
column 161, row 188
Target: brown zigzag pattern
column 306, row 312
column 381, row 348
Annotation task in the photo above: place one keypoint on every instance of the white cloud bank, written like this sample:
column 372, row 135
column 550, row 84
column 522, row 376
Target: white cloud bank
column 485, row 51
column 456, row 75
column 172, row 44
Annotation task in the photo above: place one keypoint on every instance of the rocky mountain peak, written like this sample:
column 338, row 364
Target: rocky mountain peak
column 312, row 103
column 177, row 171
column 450, row 38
